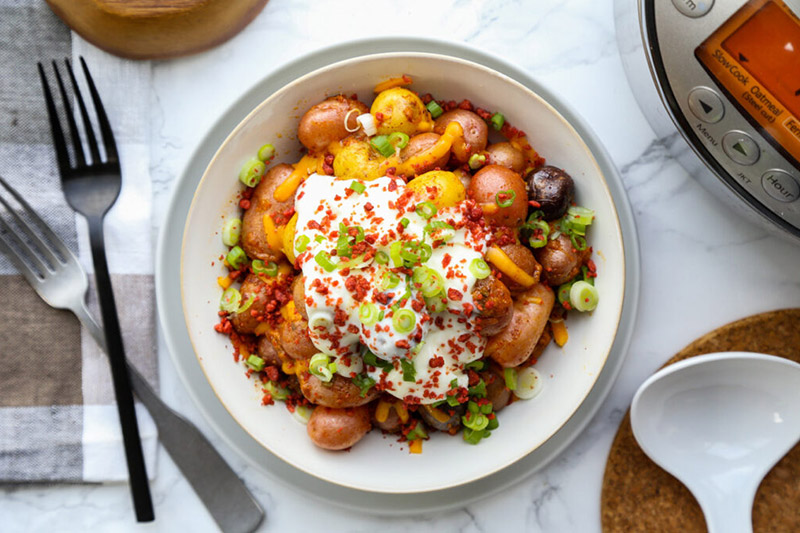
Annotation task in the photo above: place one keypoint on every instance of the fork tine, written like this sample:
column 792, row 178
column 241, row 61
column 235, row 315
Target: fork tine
column 62, row 156
column 41, row 246
column 87, row 125
column 23, row 268
column 22, row 246
column 73, row 127
column 54, row 240
column 102, row 118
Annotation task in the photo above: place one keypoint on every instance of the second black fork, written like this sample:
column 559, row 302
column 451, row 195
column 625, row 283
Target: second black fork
column 91, row 186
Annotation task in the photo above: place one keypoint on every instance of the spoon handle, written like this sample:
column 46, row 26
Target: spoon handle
column 729, row 512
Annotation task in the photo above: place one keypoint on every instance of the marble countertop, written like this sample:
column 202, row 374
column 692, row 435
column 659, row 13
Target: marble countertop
column 702, row 264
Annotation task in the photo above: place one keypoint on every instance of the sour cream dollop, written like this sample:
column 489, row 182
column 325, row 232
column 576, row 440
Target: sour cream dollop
column 377, row 294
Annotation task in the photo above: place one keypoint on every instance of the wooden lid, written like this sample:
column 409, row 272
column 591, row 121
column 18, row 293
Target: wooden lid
column 638, row 496
column 156, row 29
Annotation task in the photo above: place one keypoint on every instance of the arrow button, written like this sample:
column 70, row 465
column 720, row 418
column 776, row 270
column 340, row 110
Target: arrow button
column 705, row 104
column 741, row 148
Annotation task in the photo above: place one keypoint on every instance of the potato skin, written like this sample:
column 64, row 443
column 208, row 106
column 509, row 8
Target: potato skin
column 524, row 259
column 553, row 189
column 299, row 296
column 358, row 161
column 392, row 424
column 453, row 422
column 245, row 322
column 476, row 133
column 505, row 155
column 418, row 144
column 516, row 342
column 560, row 260
column 324, row 122
column 496, row 390
column 340, row 392
column 494, row 304
column 489, row 181
column 402, row 110
column 295, row 339
column 254, row 240
column 267, row 351
column 338, row 429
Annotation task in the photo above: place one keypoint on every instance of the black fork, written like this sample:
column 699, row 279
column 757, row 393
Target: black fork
column 91, row 186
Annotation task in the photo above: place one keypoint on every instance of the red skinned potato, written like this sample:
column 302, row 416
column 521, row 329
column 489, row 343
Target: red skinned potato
column 418, row 144
column 512, row 346
column 560, row 260
column 254, row 239
column 295, row 339
column 505, row 155
column 492, row 180
column 522, row 257
column 338, row 429
column 247, row 321
column 340, row 392
column 392, row 424
column 494, row 304
column 476, row 132
column 299, row 296
column 267, row 352
column 496, row 390
column 324, row 122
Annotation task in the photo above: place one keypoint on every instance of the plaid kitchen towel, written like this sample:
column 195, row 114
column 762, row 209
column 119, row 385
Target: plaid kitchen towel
column 58, row 421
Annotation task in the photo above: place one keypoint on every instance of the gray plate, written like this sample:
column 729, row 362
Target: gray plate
column 180, row 347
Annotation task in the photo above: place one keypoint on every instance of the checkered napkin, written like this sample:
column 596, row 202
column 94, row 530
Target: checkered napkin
column 58, row 421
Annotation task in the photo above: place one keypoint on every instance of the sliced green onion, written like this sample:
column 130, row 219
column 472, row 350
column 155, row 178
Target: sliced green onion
column 420, row 274
column 539, row 232
column 529, row 383
column 472, row 436
column 381, row 144
column 394, row 253
column 475, row 422
column 323, row 259
column 231, row 232
column 475, row 365
column 508, row 198
column 332, row 366
column 256, row 363
column 434, row 109
column 493, row 424
column 258, row 267
column 581, row 215
column 583, row 296
column 472, row 407
column 486, row 408
column 418, row 432
column 358, row 187
column 479, row 268
column 404, row 222
column 318, row 366
column 301, row 243
column 425, row 252
column 381, row 257
column 319, row 320
column 440, row 230
column 476, row 161
column 236, row 258
column 563, row 292
column 364, row 383
column 497, row 121
column 585, row 275
column 409, row 372
column 368, row 313
column 404, row 321
column 426, row 209
column 436, row 304
column 247, row 304
column 277, row 393
column 252, row 172
column 478, row 391
column 229, row 302
column 320, row 238
column 266, row 152
column 510, row 374
column 433, row 285
column 373, row 360
column 302, row 413
column 343, row 246
column 390, row 281
column 578, row 241
column 398, row 139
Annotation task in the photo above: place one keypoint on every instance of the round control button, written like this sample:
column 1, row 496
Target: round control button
column 693, row 8
column 780, row 185
column 741, row 148
column 706, row 105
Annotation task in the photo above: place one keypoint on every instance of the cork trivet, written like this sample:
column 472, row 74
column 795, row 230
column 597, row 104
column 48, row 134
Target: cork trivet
column 638, row 496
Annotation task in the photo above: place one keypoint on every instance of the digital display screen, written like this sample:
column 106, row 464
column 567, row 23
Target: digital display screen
column 755, row 58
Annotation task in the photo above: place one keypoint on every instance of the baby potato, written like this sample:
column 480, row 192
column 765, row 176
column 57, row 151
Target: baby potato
column 247, row 321
column 254, row 240
column 522, row 257
column 295, row 340
column 299, row 296
column 324, row 122
column 339, row 392
column 560, row 260
column 418, row 144
column 494, row 304
column 494, row 179
column 512, row 346
column 504, row 154
column 267, row 351
column 441, row 187
column 358, row 161
column 402, row 110
column 475, row 132
column 338, row 429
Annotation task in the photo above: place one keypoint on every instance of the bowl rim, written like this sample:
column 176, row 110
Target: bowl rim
column 618, row 237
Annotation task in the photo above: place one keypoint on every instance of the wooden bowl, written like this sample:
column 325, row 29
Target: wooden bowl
column 156, row 29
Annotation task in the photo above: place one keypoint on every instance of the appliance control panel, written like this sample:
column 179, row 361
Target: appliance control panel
column 729, row 74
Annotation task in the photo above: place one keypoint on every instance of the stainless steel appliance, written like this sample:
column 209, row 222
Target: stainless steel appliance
column 724, row 74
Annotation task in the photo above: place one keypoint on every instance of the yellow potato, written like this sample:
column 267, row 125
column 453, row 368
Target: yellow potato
column 442, row 188
column 358, row 160
column 402, row 111
column 288, row 238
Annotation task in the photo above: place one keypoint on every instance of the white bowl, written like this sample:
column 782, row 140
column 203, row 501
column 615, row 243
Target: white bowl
column 378, row 463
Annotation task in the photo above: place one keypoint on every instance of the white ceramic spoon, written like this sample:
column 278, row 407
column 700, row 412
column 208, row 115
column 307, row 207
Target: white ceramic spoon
column 719, row 423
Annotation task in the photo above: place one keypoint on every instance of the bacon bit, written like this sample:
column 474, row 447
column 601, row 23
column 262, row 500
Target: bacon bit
column 379, row 117
column 436, row 362
column 244, row 203
column 534, row 203
column 267, row 399
column 402, row 344
column 454, row 294
column 474, row 378
column 392, row 184
column 352, row 328
column 468, row 308
column 327, row 164
column 339, row 317
column 368, row 206
column 272, row 373
column 446, row 260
